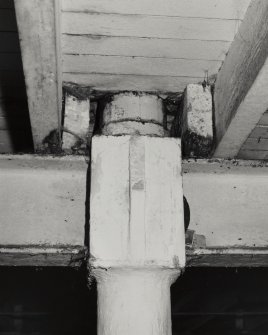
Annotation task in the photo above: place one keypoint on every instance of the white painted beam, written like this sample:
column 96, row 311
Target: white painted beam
column 240, row 90
column 42, row 201
column 38, row 31
column 228, row 204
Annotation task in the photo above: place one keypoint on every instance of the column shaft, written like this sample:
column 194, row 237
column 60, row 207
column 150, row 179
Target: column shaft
column 134, row 301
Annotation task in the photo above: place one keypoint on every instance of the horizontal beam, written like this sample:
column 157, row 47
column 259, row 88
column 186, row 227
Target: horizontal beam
column 42, row 256
column 44, row 209
column 42, row 200
column 240, row 90
column 222, row 257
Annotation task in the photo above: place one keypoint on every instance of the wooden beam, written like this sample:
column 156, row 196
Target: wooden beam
column 42, row 199
column 227, row 200
column 227, row 257
column 38, row 31
column 240, row 90
column 42, row 256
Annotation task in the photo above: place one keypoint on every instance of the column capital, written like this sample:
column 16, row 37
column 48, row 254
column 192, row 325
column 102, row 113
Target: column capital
column 136, row 202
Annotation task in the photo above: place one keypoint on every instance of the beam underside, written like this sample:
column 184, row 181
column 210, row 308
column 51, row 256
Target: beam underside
column 227, row 203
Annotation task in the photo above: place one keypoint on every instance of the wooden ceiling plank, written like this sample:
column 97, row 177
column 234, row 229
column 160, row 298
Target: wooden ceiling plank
column 253, row 154
column 224, row 9
column 113, row 82
column 37, row 31
column 256, row 144
column 241, row 87
column 260, row 132
column 138, row 65
column 148, row 26
column 148, row 47
column 264, row 119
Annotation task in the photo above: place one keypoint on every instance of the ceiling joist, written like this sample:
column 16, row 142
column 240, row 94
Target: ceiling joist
column 241, row 87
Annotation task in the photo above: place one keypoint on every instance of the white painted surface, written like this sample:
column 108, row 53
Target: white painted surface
column 136, row 206
column 134, row 301
column 135, row 107
column 133, row 114
column 228, row 202
column 76, row 121
column 240, row 90
column 117, row 82
column 42, row 200
column 246, row 118
column 197, row 110
column 148, row 26
column 146, row 45
column 139, row 65
column 149, row 47
column 223, row 9
column 37, row 32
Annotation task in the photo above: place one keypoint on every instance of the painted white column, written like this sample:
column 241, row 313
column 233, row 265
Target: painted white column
column 136, row 226
column 134, row 300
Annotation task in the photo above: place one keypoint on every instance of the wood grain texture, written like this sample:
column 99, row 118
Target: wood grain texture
column 227, row 257
column 114, row 82
column 138, row 65
column 36, row 22
column 224, row 9
column 255, row 144
column 224, row 211
column 259, row 132
column 253, row 154
column 240, row 91
column 42, row 256
column 148, row 26
column 264, row 119
column 144, row 47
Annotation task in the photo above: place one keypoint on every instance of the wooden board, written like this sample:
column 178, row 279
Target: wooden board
column 114, row 82
column 138, row 65
column 259, row 132
column 37, row 30
column 253, row 154
column 240, row 91
column 150, row 47
column 221, row 257
column 42, row 256
column 256, row 144
column 223, row 9
column 264, row 119
column 148, row 26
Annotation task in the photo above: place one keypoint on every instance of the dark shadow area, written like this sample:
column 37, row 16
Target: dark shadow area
column 227, row 301
column 46, row 301
column 205, row 301
column 15, row 129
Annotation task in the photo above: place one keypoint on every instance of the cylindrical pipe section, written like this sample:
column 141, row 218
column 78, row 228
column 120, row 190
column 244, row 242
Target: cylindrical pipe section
column 134, row 301
column 133, row 114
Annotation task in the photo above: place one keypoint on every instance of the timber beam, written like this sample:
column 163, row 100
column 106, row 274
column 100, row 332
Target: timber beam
column 38, row 24
column 43, row 200
column 241, row 87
